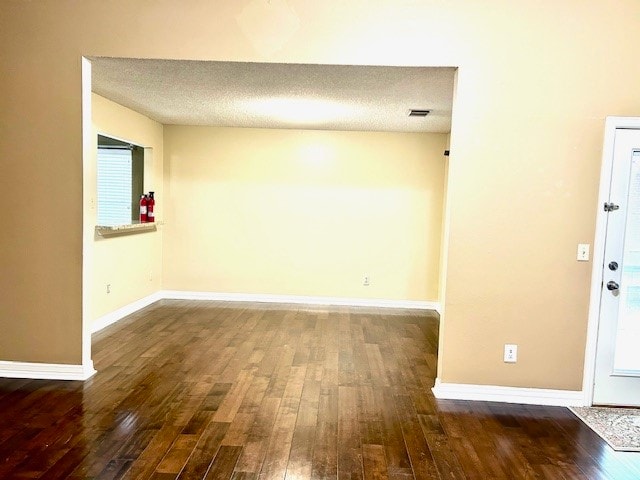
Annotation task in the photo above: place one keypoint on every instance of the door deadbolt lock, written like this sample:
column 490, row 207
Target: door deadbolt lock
column 611, row 285
column 613, row 266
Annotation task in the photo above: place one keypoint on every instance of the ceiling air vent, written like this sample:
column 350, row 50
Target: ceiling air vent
column 415, row 112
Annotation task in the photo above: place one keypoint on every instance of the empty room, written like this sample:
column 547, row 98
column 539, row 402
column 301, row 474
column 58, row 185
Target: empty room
column 354, row 240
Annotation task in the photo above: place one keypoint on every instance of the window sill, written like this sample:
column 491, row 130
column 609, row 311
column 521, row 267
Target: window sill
column 111, row 231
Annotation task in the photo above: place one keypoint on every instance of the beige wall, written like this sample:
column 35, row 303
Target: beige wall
column 535, row 81
column 130, row 264
column 303, row 212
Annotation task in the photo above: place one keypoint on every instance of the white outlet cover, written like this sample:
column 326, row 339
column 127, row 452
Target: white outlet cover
column 510, row 353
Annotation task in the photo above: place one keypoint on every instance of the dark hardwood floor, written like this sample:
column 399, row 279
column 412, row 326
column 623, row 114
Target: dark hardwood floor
column 247, row 391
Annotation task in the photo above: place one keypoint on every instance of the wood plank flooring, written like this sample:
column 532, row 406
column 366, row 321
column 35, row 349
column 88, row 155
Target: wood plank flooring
column 212, row 390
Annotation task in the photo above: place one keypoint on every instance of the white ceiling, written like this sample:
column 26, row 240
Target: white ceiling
column 275, row 95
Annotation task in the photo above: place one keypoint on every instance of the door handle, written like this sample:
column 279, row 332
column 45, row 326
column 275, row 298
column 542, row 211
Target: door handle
column 611, row 285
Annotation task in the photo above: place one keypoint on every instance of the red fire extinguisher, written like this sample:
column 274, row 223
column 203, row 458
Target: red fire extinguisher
column 150, row 204
column 143, row 209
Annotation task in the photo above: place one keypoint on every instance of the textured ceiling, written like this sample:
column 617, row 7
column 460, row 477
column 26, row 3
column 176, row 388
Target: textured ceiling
column 275, row 95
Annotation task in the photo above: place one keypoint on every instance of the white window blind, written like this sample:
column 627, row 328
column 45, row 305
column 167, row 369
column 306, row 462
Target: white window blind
column 114, row 186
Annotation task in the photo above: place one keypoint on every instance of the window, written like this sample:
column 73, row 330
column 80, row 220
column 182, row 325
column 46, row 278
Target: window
column 120, row 181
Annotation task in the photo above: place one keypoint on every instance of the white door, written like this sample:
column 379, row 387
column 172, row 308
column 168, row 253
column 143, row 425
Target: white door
column 617, row 368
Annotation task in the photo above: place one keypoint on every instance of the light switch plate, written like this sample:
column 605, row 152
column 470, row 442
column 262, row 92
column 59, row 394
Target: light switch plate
column 583, row 252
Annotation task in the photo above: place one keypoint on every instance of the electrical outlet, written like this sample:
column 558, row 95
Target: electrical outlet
column 108, row 288
column 366, row 280
column 510, row 353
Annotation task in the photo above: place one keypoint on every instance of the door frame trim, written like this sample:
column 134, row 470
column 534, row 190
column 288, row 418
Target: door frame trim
column 611, row 124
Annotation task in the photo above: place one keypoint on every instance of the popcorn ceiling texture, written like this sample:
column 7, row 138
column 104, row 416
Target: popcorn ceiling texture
column 619, row 427
column 371, row 98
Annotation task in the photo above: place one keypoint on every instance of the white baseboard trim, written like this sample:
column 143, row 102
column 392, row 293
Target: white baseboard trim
column 111, row 318
column 492, row 393
column 46, row 371
column 297, row 299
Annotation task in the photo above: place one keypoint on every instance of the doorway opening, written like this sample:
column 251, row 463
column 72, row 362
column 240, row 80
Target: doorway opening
column 345, row 194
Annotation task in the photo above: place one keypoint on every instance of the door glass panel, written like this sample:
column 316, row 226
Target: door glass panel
column 627, row 351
